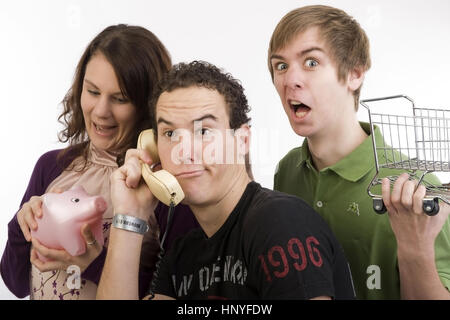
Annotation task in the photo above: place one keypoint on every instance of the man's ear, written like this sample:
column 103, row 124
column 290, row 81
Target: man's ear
column 355, row 78
column 243, row 135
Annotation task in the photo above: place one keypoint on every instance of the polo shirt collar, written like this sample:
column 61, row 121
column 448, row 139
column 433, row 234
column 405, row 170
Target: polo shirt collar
column 357, row 164
column 305, row 155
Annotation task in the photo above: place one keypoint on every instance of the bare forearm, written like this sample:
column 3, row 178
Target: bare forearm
column 121, row 271
column 419, row 278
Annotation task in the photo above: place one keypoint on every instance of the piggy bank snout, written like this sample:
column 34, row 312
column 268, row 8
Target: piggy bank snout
column 100, row 204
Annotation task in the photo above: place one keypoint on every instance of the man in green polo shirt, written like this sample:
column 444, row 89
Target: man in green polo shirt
column 318, row 57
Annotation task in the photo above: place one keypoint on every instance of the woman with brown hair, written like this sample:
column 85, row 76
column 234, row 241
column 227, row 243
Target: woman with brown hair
column 104, row 111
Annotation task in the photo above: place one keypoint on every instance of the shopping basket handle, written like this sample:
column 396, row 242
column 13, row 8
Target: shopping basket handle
column 378, row 206
column 430, row 206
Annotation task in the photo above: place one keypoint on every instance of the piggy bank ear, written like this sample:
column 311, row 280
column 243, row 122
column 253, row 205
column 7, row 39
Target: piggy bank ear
column 78, row 189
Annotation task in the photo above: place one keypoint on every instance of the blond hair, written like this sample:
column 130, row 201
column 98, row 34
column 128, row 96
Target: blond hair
column 344, row 37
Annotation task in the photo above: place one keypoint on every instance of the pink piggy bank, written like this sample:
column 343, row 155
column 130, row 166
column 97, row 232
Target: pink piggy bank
column 63, row 215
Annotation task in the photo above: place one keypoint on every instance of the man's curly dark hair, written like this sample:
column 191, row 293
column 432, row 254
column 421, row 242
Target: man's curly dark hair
column 206, row 75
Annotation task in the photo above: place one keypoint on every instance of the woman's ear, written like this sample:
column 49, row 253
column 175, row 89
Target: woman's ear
column 355, row 79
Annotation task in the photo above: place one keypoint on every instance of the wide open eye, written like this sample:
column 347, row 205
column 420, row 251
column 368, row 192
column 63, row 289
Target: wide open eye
column 169, row 133
column 311, row 63
column 281, row 66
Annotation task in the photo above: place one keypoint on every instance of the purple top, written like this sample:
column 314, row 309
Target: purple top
column 15, row 264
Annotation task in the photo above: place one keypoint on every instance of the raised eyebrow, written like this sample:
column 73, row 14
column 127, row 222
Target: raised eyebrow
column 276, row 56
column 162, row 120
column 301, row 54
column 206, row 116
column 306, row 51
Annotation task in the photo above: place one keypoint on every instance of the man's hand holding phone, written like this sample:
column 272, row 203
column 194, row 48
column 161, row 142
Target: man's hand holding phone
column 131, row 199
column 129, row 193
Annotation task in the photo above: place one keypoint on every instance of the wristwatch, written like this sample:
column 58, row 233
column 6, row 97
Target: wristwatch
column 130, row 223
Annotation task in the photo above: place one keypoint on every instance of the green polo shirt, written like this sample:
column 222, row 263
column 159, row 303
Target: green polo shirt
column 339, row 194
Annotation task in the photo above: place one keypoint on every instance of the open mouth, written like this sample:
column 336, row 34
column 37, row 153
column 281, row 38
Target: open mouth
column 104, row 130
column 300, row 109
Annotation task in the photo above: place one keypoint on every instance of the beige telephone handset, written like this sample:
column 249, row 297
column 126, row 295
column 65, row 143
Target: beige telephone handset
column 162, row 184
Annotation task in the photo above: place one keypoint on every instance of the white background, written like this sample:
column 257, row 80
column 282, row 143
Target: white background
column 41, row 42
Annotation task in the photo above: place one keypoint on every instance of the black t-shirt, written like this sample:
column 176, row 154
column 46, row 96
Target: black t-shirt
column 272, row 246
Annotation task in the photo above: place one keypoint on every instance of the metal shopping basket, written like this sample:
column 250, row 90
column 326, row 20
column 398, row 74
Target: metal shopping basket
column 418, row 144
